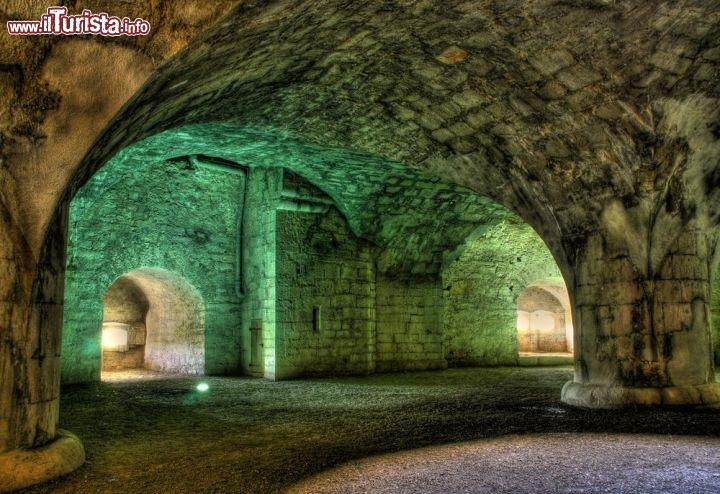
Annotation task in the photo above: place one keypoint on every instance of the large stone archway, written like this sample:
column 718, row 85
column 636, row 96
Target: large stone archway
column 615, row 186
column 596, row 122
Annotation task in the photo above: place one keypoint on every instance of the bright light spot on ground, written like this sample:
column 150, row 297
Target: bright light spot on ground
column 202, row 387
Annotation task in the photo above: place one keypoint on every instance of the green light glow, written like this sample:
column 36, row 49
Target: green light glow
column 202, row 387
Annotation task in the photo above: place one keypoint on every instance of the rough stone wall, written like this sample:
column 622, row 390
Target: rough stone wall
column 409, row 328
column 124, row 302
column 133, row 358
column 175, row 321
column 414, row 216
column 715, row 320
column 168, row 215
column 322, row 266
column 30, row 322
column 536, row 298
column 58, row 92
column 259, row 232
column 480, row 291
column 544, row 322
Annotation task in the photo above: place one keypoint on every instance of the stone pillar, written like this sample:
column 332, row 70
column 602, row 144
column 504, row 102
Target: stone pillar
column 262, row 195
column 642, row 333
column 32, row 449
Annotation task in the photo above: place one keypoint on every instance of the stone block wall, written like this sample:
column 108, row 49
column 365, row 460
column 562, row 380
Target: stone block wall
column 288, row 288
column 465, row 316
column 639, row 332
column 175, row 336
column 336, row 313
column 172, row 215
column 325, row 296
column 542, row 321
column 683, row 296
column 131, row 359
column 480, row 291
column 409, row 326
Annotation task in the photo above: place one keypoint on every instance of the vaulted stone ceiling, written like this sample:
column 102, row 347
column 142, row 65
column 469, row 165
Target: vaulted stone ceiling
column 580, row 116
column 556, row 109
column 597, row 121
column 417, row 218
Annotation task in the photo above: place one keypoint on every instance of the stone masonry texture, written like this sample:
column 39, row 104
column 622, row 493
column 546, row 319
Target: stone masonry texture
column 154, row 215
column 596, row 123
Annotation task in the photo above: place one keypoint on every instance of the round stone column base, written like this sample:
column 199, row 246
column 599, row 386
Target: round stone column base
column 23, row 468
column 598, row 396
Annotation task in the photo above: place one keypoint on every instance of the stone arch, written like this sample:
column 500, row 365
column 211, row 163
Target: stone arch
column 466, row 111
column 159, row 213
column 419, row 123
column 545, row 318
column 164, row 317
column 502, row 99
column 482, row 281
column 125, row 307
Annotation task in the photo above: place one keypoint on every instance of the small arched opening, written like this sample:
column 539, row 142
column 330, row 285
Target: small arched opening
column 153, row 319
column 125, row 307
column 544, row 319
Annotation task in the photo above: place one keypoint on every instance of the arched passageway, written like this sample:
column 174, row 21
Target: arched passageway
column 125, row 307
column 483, row 286
column 544, row 319
column 163, row 214
column 596, row 122
column 163, row 320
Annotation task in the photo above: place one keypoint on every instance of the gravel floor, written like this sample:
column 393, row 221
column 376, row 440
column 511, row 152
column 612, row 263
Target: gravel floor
column 552, row 463
column 161, row 435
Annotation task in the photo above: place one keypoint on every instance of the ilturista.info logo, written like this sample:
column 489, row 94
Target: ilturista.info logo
column 57, row 21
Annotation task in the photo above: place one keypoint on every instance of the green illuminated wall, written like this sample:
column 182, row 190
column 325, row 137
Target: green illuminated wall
column 409, row 335
column 481, row 288
column 170, row 215
column 325, row 296
column 265, row 248
column 259, row 267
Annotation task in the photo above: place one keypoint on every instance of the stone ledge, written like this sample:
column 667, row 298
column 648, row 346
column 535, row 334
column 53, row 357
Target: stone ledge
column 607, row 397
column 545, row 360
column 23, row 468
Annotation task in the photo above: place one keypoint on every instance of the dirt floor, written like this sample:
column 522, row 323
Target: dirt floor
column 161, row 434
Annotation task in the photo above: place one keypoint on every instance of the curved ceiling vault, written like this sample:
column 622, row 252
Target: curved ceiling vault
column 555, row 109
column 417, row 218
